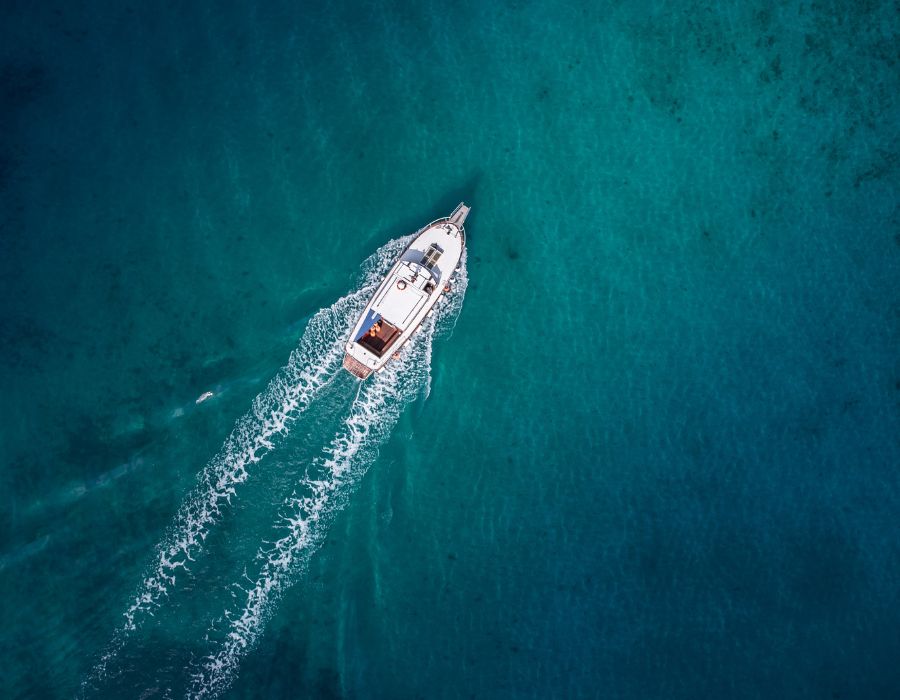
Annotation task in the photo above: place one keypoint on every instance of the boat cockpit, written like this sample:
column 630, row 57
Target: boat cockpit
column 377, row 336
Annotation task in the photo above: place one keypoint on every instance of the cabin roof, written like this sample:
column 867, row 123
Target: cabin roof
column 399, row 306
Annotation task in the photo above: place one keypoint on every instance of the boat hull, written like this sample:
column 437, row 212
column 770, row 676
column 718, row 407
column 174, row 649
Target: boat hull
column 407, row 295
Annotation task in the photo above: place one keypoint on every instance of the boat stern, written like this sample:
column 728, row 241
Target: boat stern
column 355, row 367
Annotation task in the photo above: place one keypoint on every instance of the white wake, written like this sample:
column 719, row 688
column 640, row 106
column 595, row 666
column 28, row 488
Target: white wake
column 311, row 366
column 325, row 489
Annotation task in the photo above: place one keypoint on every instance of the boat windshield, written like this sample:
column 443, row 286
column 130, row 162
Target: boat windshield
column 431, row 256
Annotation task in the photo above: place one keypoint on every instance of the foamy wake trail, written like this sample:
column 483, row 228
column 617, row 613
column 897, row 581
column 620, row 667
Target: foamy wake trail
column 310, row 367
column 325, row 489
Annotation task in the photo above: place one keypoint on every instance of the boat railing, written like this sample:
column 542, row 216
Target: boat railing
column 458, row 217
column 449, row 219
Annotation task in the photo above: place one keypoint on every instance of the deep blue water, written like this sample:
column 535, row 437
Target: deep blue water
column 651, row 451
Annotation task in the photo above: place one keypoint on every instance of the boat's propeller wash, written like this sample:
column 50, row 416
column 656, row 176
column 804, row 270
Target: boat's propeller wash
column 347, row 444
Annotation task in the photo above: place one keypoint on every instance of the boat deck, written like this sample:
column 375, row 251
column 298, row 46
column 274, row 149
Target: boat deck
column 402, row 296
column 458, row 217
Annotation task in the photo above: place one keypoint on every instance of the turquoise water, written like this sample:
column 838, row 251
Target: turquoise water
column 650, row 451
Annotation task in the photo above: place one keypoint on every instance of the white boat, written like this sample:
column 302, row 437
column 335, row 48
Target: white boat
column 407, row 295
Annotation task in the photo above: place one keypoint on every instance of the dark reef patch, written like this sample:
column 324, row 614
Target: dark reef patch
column 885, row 164
column 773, row 71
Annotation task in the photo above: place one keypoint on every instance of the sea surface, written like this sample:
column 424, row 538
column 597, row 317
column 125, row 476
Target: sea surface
column 649, row 447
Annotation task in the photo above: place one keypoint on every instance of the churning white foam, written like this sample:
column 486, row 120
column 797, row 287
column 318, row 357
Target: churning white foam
column 324, row 490
column 308, row 370
column 310, row 367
